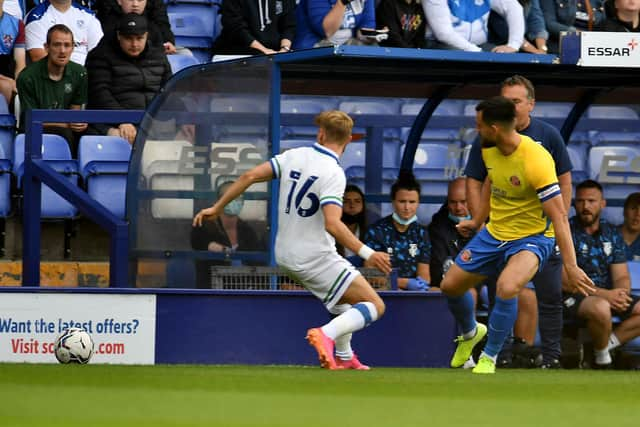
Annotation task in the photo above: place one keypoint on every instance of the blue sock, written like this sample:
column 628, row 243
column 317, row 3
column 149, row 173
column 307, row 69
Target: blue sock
column 463, row 310
column 501, row 321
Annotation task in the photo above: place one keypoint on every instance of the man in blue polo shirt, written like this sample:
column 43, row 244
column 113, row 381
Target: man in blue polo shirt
column 548, row 281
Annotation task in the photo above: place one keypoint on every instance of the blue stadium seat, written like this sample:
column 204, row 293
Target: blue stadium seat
column 5, row 185
column 178, row 62
column 307, row 104
column 448, row 107
column 354, row 155
column 634, row 272
column 104, row 163
column 613, row 214
column 194, row 25
column 287, row 144
column 437, row 161
column 7, row 128
column 440, row 136
column 366, row 106
column 616, row 138
column 552, row 109
column 614, row 112
column 240, row 104
column 426, row 212
column 55, row 150
column 578, row 157
column 304, row 105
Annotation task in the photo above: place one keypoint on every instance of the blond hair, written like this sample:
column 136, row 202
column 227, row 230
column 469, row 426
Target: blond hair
column 336, row 124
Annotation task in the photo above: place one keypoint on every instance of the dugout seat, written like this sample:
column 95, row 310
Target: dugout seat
column 621, row 164
column 448, row 107
column 179, row 62
column 55, row 150
column 103, row 162
column 160, row 165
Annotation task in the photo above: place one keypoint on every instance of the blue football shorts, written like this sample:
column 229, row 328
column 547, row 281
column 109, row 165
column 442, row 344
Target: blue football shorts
column 486, row 256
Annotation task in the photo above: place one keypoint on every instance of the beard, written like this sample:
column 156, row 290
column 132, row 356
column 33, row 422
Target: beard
column 587, row 219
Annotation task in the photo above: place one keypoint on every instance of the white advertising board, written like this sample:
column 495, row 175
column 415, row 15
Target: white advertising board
column 123, row 327
column 609, row 49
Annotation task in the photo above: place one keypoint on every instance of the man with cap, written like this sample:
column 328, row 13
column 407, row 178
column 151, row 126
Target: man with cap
column 125, row 73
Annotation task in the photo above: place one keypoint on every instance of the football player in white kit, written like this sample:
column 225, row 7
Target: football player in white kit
column 312, row 184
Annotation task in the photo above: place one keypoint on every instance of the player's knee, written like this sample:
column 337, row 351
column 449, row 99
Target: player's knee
column 507, row 290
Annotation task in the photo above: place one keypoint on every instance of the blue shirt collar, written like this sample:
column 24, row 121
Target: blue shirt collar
column 326, row 151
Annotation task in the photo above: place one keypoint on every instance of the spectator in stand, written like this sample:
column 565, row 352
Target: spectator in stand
column 630, row 228
column 600, row 253
column 84, row 25
column 560, row 16
column 354, row 215
column 125, row 73
column 55, row 82
column 400, row 235
column 463, row 24
column 12, row 56
column 256, row 27
column 536, row 34
column 334, row 22
column 622, row 16
column 160, row 34
column 226, row 234
column 405, row 21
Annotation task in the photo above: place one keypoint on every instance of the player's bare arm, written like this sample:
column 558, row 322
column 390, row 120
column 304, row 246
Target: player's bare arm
column 334, row 226
column 478, row 196
column 576, row 278
column 260, row 173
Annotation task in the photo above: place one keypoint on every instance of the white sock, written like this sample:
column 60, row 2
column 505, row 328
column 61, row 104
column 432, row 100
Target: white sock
column 343, row 347
column 468, row 335
column 613, row 341
column 602, row 356
column 354, row 319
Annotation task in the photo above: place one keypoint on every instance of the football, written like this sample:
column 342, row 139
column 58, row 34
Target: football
column 74, row 345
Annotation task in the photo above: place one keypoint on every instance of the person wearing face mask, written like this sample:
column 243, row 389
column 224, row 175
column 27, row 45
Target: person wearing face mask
column 446, row 240
column 226, row 234
column 355, row 218
column 401, row 236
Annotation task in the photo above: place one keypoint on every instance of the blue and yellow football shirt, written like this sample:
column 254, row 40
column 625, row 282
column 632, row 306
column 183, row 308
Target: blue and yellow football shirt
column 520, row 182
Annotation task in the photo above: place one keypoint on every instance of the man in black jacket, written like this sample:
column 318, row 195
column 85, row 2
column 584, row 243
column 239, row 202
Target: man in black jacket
column 125, row 73
column 446, row 240
column 252, row 27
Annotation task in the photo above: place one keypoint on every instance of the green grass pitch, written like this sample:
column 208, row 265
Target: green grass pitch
column 257, row 396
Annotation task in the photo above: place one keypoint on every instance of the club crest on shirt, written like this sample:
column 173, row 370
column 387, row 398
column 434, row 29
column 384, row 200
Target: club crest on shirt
column 68, row 88
column 413, row 249
column 584, row 248
column 515, row 181
column 607, row 247
column 279, row 8
column 7, row 39
column 80, row 23
column 465, row 255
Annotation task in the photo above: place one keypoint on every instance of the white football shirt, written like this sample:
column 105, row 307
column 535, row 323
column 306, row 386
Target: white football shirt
column 85, row 27
column 310, row 177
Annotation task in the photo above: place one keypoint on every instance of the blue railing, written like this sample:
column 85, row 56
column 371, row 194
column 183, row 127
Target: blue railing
column 37, row 172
